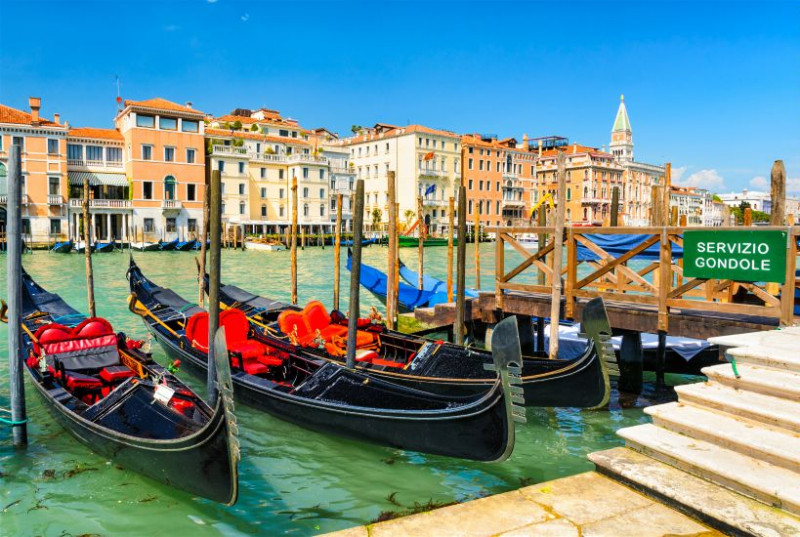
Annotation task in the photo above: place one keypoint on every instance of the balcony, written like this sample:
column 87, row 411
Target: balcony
column 593, row 200
column 55, row 200
column 267, row 157
column 94, row 164
column 77, row 203
column 513, row 203
column 229, row 150
column 306, row 159
column 171, row 205
column 434, row 203
column 434, row 174
column 510, row 176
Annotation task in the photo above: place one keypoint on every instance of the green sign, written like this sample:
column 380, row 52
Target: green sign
column 746, row 255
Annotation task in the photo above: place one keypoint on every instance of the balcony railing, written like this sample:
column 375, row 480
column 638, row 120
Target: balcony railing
column 77, row 203
column 55, row 200
column 310, row 159
column 435, row 203
column 438, row 174
column 513, row 203
column 170, row 204
column 228, row 150
column 94, row 163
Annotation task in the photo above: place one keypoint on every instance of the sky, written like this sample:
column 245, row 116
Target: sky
column 710, row 87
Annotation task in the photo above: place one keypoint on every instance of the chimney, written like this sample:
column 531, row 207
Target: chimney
column 575, row 147
column 57, row 118
column 188, row 104
column 35, row 103
column 525, row 139
column 540, row 149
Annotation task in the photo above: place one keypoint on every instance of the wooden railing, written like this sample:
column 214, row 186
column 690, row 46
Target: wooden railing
column 657, row 284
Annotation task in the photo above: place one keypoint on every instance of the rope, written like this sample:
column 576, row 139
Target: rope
column 12, row 422
column 733, row 366
column 186, row 307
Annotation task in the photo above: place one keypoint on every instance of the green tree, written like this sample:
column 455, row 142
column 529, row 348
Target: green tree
column 377, row 217
column 236, row 125
column 408, row 215
column 356, row 128
column 254, row 128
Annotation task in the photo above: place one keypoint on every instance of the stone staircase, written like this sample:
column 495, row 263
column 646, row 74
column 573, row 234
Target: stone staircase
column 728, row 452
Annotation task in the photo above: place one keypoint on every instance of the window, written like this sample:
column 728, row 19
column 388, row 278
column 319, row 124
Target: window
column 169, row 154
column 283, row 132
column 322, row 210
column 191, row 192
column 263, row 174
column 469, row 163
column 241, row 168
column 480, row 185
column 280, row 174
column 305, row 209
column 170, row 186
column 52, row 149
column 94, row 153
column 171, row 225
column 305, row 192
column 74, row 152
column 263, row 192
column 241, row 207
column 263, row 210
column 222, row 188
column 480, row 165
column 470, row 184
column 321, row 192
column 54, row 186
column 148, row 225
column 387, row 147
column 280, row 194
column 221, row 166
column 498, row 186
column 190, row 156
column 55, row 226
column 168, row 123
column 191, row 225
column 470, row 206
column 305, row 173
column 147, row 190
column 147, row 152
column 222, row 207
column 321, row 174
column 497, row 209
column 189, row 125
column 281, row 211
column 26, row 226
column 145, row 121
column 241, row 189
column 114, row 154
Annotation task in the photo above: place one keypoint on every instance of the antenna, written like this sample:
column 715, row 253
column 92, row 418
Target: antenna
column 119, row 98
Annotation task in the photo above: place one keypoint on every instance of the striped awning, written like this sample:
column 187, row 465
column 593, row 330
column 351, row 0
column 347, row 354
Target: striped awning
column 98, row 179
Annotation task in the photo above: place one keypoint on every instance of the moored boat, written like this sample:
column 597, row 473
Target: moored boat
column 62, row 247
column 264, row 246
column 112, row 397
column 406, row 241
column 144, row 246
column 429, row 283
column 168, row 246
column 324, row 395
column 104, row 247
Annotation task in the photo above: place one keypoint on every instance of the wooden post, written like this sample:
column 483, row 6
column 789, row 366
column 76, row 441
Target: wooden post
column 396, row 306
column 215, row 256
column 293, row 260
column 614, row 207
column 683, row 221
column 777, row 194
column 673, row 219
column 19, row 418
column 450, row 223
column 337, row 246
column 392, row 238
column 420, row 250
column 747, row 217
column 355, row 275
column 201, row 273
column 241, row 236
column 558, row 243
column 87, row 237
column 787, row 289
column 477, row 232
column 541, row 217
column 461, row 261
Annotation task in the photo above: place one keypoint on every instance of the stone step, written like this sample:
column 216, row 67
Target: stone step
column 780, row 448
column 764, row 380
column 755, row 478
column 723, row 509
column 787, row 359
column 771, row 411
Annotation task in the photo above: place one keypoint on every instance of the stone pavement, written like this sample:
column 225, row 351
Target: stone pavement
column 586, row 505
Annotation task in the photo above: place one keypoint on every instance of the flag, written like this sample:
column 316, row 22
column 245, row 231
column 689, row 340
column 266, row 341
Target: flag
column 428, row 156
column 430, row 190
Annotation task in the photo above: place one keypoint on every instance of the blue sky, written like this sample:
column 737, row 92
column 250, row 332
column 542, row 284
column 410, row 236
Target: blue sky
column 711, row 87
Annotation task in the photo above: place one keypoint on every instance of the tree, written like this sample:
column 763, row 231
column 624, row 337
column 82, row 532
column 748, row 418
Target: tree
column 356, row 128
column 254, row 128
column 377, row 217
column 236, row 125
column 716, row 198
column 408, row 215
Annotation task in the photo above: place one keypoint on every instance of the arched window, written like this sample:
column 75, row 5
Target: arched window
column 264, row 211
column 170, row 187
column 321, row 209
column 585, row 214
column 241, row 207
column 585, row 192
column 569, row 195
column 3, row 178
column 305, row 209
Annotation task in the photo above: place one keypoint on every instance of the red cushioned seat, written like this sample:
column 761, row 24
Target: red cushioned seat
column 196, row 330
column 254, row 367
column 50, row 333
column 293, row 322
column 116, row 373
column 269, row 360
column 79, row 381
column 93, row 327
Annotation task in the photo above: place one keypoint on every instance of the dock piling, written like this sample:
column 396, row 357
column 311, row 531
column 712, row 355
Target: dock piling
column 392, row 239
column 614, row 222
column 420, row 250
column 631, row 362
column 355, row 275
column 201, row 272
column 777, row 193
column 293, row 242
column 337, row 247
column 87, row 234
column 461, row 261
column 558, row 243
column 19, row 428
column 450, row 224
column 215, row 220
column 477, row 234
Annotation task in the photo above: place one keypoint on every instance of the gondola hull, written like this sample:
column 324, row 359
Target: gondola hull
column 169, row 246
column 62, row 247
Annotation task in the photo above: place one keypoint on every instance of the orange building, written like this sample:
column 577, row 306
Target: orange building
column 498, row 175
column 44, row 170
column 164, row 160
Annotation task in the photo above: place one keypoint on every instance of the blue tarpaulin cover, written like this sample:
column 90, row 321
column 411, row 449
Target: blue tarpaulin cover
column 376, row 281
column 429, row 283
column 618, row 245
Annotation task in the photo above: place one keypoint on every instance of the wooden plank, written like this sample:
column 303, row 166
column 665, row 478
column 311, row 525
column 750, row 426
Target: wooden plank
column 530, row 261
column 517, row 229
column 723, row 307
column 664, row 281
column 769, row 300
column 572, row 274
column 609, row 266
column 525, row 287
column 691, row 284
column 514, row 244
column 616, row 297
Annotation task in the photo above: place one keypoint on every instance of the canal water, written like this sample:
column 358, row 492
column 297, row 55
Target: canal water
column 292, row 481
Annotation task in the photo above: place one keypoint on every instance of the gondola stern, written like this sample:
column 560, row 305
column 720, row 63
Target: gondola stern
column 596, row 326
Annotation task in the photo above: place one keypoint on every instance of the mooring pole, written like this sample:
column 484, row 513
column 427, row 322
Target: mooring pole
column 450, row 224
column 293, row 246
column 396, row 294
column 392, row 239
column 614, row 207
column 477, row 233
column 87, row 237
column 777, row 215
column 558, row 243
column 337, row 246
column 204, row 237
column 215, row 221
column 461, row 262
column 19, row 418
column 355, row 275
column 420, row 251
column 541, row 221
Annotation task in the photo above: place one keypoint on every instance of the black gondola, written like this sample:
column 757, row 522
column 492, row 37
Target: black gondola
column 326, row 396
column 114, row 398
column 435, row 366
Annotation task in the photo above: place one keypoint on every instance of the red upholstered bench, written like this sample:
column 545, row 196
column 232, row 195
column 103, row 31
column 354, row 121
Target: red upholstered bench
column 115, row 373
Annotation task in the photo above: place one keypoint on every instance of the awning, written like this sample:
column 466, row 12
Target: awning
column 98, row 179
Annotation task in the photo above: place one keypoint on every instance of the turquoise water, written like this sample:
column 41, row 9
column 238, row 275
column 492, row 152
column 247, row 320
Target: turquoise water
column 292, row 481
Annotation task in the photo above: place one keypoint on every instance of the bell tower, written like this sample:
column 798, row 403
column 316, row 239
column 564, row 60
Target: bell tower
column 621, row 136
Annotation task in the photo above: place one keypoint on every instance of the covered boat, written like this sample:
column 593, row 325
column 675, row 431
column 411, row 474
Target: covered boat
column 169, row 245
column 429, row 283
column 115, row 399
column 323, row 395
column 406, row 241
column 62, row 247
column 144, row 246
column 438, row 366
column 408, row 298
column 272, row 246
column 104, row 247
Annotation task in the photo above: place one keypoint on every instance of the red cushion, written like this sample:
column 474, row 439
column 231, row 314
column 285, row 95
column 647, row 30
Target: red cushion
column 72, row 345
column 255, row 368
column 236, row 326
column 269, row 360
column 248, row 348
column 51, row 333
column 316, row 315
column 197, row 330
column 334, row 330
column 289, row 320
column 78, row 381
column 366, row 356
column 115, row 373
column 93, row 327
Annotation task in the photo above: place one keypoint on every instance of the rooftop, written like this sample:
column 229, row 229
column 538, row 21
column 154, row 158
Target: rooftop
column 12, row 115
column 97, row 134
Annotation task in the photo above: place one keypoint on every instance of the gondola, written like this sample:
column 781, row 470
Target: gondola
column 436, row 366
column 185, row 246
column 62, row 247
column 144, row 246
column 406, row 241
column 429, row 283
column 324, row 395
column 169, row 246
column 115, row 399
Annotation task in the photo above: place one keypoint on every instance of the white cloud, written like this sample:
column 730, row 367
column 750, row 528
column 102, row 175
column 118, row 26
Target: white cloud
column 759, row 182
column 245, row 17
column 677, row 173
column 793, row 185
column 709, row 179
